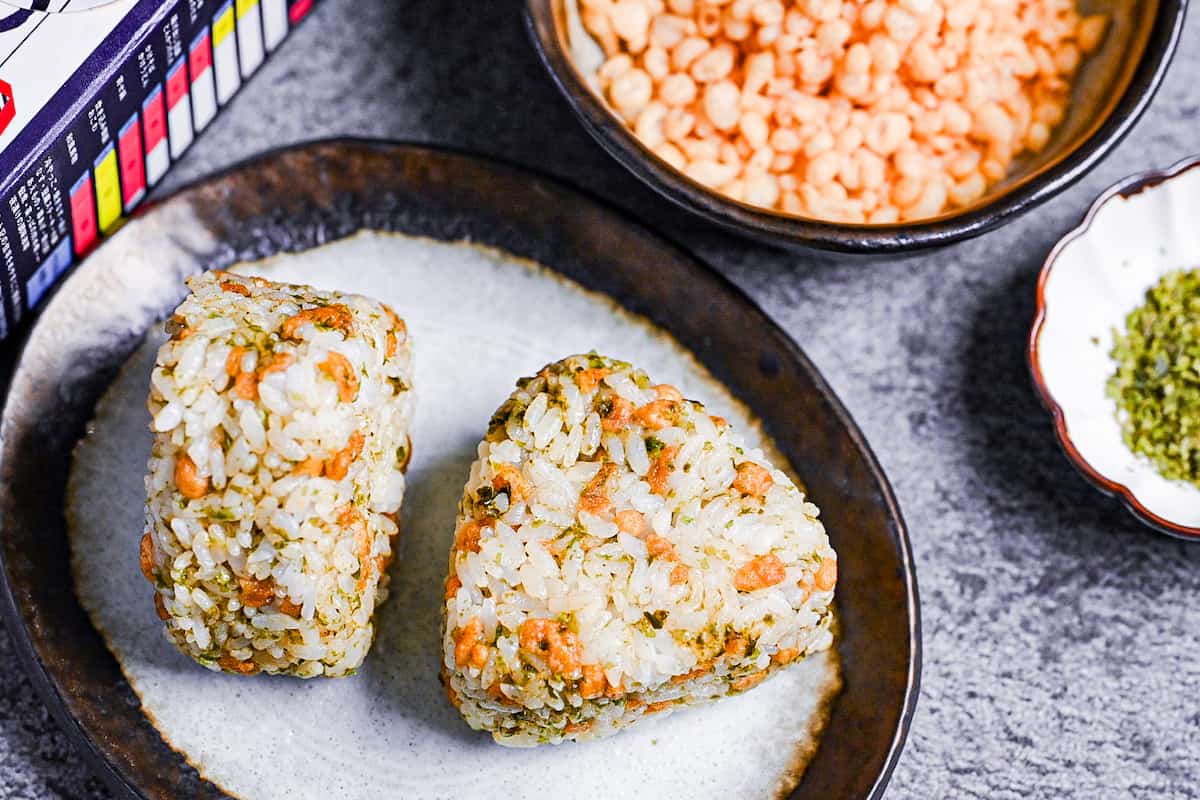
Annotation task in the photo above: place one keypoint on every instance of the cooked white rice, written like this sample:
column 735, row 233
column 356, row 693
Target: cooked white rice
column 280, row 417
column 619, row 553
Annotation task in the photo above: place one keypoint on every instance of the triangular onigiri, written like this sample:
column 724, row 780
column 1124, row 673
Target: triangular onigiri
column 620, row 553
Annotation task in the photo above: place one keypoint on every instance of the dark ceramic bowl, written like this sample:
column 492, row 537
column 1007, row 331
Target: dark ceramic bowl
column 1114, row 87
column 297, row 199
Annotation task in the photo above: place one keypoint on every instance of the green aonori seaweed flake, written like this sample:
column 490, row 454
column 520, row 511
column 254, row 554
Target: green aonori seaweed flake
column 1157, row 382
column 653, row 447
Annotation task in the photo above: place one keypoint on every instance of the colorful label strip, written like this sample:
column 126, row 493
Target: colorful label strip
column 204, row 86
column 275, row 22
column 108, row 189
column 179, row 108
column 225, row 53
column 133, row 164
column 48, row 272
column 249, row 36
column 155, row 128
column 83, row 215
column 298, row 10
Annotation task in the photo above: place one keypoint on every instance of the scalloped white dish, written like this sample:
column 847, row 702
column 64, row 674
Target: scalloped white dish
column 1135, row 233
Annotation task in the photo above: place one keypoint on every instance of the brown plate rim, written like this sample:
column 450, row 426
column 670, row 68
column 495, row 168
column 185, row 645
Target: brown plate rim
column 120, row 770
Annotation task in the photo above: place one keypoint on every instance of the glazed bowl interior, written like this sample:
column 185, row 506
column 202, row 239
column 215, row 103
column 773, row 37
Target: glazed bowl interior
column 1110, row 91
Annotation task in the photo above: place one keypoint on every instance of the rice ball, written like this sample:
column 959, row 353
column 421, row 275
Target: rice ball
column 280, row 417
column 620, row 553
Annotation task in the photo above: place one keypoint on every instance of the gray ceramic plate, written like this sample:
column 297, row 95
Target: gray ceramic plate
column 393, row 220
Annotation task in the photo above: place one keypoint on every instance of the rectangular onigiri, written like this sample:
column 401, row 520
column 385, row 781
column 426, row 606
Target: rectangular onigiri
column 620, row 553
column 280, row 417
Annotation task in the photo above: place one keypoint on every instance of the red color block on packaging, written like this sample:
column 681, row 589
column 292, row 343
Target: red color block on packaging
column 154, row 119
column 177, row 85
column 83, row 214
column 9, row 108
column 133, row 167
column 299, row 11
column 200, row 56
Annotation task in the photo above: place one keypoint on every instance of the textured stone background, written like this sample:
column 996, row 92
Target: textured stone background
column 1061, row 651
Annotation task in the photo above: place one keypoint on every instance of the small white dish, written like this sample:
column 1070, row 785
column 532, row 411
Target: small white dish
column 1136, row 232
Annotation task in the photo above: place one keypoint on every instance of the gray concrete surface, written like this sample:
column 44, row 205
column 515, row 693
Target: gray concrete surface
column 1061, row 650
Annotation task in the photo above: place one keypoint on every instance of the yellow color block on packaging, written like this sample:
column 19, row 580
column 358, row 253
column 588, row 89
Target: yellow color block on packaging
column 222, row 26
column 108, row 190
